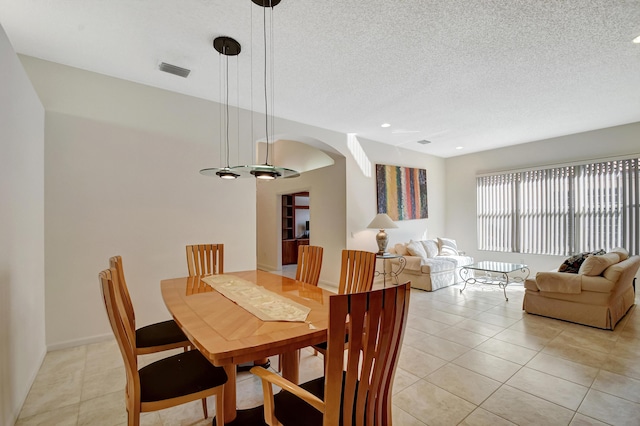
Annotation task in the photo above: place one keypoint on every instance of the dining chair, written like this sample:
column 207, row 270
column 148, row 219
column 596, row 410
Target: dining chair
column 357, row 388
column 357, row 271
column 309, row 264
column 171, row 381
column 152, row 338
column 307, row 271
column 356, row 275
column 205, row 259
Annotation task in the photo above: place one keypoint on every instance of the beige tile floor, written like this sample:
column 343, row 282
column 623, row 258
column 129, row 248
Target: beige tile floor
column 467, row 359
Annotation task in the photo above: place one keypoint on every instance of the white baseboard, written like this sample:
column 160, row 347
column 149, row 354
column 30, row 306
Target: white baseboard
column 79, row 342
column 267, row 268
column 333, row 287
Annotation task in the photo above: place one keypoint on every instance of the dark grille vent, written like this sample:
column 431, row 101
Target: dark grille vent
column 174, row 69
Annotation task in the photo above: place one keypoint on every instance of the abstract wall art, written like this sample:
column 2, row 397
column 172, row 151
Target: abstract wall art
column 402, row 192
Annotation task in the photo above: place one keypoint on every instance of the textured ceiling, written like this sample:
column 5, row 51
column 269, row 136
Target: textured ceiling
column 476, row 74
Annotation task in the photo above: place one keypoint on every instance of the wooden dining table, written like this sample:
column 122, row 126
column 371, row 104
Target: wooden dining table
column 229, row 335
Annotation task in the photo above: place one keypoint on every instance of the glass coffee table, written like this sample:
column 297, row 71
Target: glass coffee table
column 495, row 273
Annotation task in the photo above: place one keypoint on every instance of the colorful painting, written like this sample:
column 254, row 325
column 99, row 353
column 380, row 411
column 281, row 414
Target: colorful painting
column 402, row 192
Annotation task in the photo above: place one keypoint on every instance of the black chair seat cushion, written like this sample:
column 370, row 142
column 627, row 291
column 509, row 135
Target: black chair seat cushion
column 291, row 410
column 159, row 334
column 178, row 375
column 323, row 345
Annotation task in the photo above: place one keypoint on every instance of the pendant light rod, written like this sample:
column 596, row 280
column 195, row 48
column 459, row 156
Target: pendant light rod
column 226, row 46
column 266, row 103
column 265, row 4
column 229, row 47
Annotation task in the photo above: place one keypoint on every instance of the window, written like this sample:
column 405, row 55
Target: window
column 562, row 210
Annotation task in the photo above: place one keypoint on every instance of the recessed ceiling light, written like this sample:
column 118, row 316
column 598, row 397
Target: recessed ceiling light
column 459, row 147
column 385, row 125
column 637, row 40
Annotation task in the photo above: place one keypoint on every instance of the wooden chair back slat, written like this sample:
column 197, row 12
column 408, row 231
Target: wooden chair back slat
column 205, row 259
column 309, row 264
column 115, row 262
column 357, row 271
column 361, row 385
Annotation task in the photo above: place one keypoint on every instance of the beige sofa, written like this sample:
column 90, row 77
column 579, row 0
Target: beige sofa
column 435, row 266
column 599, row 294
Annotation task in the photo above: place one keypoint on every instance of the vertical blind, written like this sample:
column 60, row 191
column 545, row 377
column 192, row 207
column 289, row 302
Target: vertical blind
column 497, row 225
column 562, row 210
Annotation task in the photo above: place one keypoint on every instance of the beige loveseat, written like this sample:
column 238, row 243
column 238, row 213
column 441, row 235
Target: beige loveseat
column 599, row 294
column 430, row 264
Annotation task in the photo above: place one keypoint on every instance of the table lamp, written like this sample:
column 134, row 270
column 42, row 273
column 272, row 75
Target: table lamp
column 382, row 221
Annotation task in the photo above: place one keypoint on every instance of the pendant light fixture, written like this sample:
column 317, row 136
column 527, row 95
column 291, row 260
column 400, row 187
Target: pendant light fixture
column 266, row 171
column 230, row 47
column 226, row 46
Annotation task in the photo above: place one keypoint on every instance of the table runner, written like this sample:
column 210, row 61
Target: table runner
column 265, row 304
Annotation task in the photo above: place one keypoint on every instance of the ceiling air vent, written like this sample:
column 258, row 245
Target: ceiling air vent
column 424, row 142
column 174, row 69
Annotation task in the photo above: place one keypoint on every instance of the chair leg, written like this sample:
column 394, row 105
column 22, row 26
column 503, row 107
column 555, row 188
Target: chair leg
column 204, row 408
column 133, row 418
column 220, row 407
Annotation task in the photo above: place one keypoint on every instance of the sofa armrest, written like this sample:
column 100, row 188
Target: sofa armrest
column 598, row 284
column 412, row 263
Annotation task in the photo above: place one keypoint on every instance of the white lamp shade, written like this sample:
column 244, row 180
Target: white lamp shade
column 382, row 221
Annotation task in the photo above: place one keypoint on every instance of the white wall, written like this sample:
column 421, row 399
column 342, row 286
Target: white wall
column 121, row 170
column 122, row 163
column 461, row 180
column 22, row 325
column 327, row 201
column 112, row 190
column 363, row 207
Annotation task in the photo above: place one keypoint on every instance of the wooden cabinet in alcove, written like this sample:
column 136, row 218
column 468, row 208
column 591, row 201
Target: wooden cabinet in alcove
column 292, row 237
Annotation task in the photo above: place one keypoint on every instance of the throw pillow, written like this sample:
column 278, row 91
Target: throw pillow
column 447, row 247
column 430, row 247
column 622, row 252
column 572, row 264
column 401, row 249
column 415, row 249
column 595, row 265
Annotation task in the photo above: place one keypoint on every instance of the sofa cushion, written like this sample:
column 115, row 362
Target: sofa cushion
column 431, row 266
column 572, row 264
column 401, row 249
column 595, row 265
column 597, row 284
column 415, row 248
column 447, row 247
column 458, row 261
column 530, row 284
column 430, row 247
